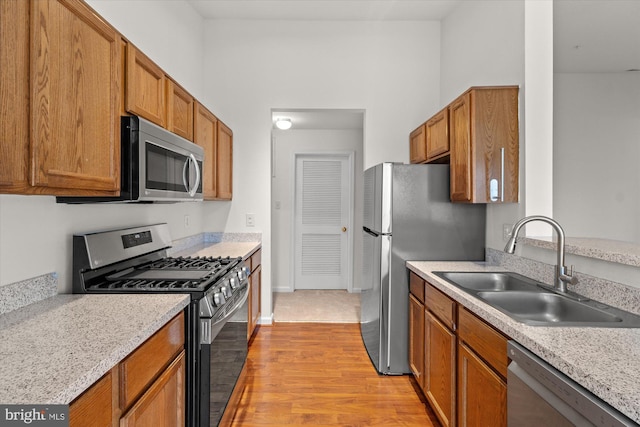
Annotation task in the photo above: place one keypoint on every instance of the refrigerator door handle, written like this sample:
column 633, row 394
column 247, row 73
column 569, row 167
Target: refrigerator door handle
column 370, row 232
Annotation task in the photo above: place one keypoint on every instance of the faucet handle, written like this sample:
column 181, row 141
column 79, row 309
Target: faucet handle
column 568, row 277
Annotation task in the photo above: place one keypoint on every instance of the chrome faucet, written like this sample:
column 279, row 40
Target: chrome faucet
column 563, row 277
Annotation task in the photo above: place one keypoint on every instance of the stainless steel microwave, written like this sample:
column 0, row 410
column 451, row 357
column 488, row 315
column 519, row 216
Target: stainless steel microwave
column 156, row 166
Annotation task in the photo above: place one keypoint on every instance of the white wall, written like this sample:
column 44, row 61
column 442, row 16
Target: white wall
column 35, row 232
column 596, row 151
column 389, row 69
column 483, row 45
column 286, row 144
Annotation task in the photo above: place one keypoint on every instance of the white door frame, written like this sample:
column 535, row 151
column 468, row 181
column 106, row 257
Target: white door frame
column 350, row 156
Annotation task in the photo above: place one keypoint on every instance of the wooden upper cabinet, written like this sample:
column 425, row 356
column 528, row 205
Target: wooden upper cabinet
column 146, row 86
column 205, row 135
column 14, row 87
column 484, row 145
column 179, row 110
column 417, row 145
column 437, row 135
column 75, row 100
column 459, row 113
column 224, row 162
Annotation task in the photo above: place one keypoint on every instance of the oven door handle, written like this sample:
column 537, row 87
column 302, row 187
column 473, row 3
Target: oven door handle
column 235, row 308
column 211, row 330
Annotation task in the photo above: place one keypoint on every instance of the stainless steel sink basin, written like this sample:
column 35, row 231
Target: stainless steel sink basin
column 545, row 307
column 489, row 281
column 526, row 301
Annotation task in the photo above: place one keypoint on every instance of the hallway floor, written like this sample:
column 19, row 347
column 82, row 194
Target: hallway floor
column 320, row 306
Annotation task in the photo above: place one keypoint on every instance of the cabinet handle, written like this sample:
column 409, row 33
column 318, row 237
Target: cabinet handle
column 502, row 174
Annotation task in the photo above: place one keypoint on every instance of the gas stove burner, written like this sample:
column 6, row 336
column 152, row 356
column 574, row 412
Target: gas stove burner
column 189, row 263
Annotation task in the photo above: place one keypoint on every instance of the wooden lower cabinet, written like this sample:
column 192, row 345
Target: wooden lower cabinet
column 163, row 404
column 146, row 389
column 482, row 394
column 95, row 407
column 416, row 339
column 440, row 372
column 464, row 369
column 255, row 280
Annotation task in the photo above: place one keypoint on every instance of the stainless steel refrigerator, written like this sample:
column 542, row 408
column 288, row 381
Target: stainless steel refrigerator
column 407, row 216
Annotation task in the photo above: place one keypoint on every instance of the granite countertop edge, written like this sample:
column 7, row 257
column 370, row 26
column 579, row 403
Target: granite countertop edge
column 55, row 351
column 610, row 370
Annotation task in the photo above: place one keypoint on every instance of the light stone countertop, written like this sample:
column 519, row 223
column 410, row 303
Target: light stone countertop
column 53, row 350
column 606, row 361
column 223, row 249
column 617, row 251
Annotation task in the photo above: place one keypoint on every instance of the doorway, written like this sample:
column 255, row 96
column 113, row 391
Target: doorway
column 313, row 133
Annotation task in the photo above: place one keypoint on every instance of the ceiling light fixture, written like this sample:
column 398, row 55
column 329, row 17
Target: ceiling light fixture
column 283, row 124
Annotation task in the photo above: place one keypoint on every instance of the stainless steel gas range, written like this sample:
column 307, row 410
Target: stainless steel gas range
column 134, row 260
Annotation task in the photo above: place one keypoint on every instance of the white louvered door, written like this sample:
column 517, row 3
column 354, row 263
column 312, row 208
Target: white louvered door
column 322, row 222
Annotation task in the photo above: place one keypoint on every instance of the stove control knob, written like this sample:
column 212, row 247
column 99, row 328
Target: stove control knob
column 243, row 273
column 234, row 282
column 218, row 299
column 226, row 291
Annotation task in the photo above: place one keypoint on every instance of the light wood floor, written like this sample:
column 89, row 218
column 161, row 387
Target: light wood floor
column 320, row 374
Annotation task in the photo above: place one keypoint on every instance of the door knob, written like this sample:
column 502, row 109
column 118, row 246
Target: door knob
column 344, row 229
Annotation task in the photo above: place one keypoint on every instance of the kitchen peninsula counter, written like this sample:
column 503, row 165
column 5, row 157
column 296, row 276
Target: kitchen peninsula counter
column 53, row 350
column 605, row 361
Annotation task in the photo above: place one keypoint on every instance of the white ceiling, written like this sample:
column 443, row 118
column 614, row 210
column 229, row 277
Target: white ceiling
column 318, row 10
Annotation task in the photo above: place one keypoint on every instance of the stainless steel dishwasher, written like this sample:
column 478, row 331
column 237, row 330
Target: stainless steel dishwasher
column 540, row 395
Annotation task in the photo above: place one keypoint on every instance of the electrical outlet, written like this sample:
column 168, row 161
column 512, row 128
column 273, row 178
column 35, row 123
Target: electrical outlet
column 187, row 221
column 251, row 220
column 506, row 232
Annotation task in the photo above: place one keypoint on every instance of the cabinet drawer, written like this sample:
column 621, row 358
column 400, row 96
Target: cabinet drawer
column 440, row 305
column 488, row 343
column 256, row 259
column 142, row 366
column 416, row 286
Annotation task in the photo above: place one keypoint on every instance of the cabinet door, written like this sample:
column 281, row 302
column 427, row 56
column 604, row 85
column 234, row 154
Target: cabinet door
column 179, row 110
column 460, row 140
column 494, row 131
column 254, row 300
column 224, row 162
column 437, row 138
column 75, row 99
column 145, row 87
column 14, row 87
column 205, row 135
column 416, row 339
column 482, row 395
column 440, row 365
column 417, row 145
column 162, row 405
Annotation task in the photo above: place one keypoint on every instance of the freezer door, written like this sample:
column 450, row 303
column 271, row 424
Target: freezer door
column 377, row 198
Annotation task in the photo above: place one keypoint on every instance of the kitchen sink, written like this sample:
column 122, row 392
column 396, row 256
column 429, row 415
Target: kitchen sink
column 530, row 302
column 546, row 307
column 489, row 281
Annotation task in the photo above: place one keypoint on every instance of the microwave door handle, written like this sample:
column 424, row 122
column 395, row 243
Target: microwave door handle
column 185, row 177
column 192, row 190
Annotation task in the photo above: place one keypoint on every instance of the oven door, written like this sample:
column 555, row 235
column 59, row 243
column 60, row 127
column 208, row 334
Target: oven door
column 223, row 356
